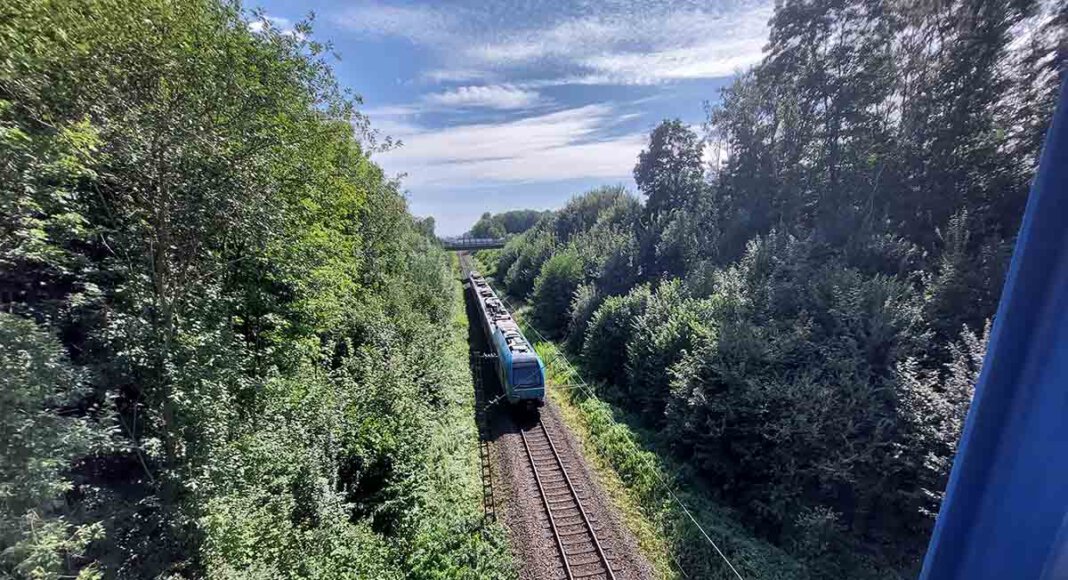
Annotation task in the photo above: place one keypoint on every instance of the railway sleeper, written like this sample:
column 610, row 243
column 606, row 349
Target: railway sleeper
column 592, row 573
column 558, row 491
column 569, row 520
column 567, row 496
column 568, row 514
column 591, row 558
column 589, row 548
column 576, row 541
column 572, row 528
column 562, row 491
column 591, row 576
column 563, row 535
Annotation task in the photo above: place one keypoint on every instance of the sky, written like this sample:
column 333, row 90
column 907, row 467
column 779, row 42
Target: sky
column 520, row 104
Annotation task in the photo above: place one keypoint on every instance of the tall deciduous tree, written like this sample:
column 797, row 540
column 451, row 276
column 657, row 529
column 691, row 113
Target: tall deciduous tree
column 669, row 173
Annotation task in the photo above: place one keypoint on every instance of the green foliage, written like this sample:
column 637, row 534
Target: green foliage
column 532, row 249
column 964, row 287
column 796, row 373
column 597, row 226
column 654, row 489
column 609, row 332
column 582, row 212
column 267, row 371
column 669, row 172
column 504, row 259
column 800, row 317
column 503, row 224
column 557, row 282
column 660, row 336
column 584, row 304
column 934, row 404
column 426, row 226
column 38, row 387
column 610, row 250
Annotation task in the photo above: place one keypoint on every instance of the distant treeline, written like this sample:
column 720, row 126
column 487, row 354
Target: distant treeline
column 503, row 224
column 803, row 318
column 226, row 348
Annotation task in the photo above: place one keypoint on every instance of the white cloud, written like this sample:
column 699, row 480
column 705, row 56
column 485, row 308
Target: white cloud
column 710, row 60
column 456, row 75
column 636, row 48
column 491, row 96
column 619, row 43
column 419, row 24
column 282, row 25
column 568, row 144
column 276, row 22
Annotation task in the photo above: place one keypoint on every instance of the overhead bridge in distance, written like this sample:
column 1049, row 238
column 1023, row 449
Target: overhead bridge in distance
column 466, row 243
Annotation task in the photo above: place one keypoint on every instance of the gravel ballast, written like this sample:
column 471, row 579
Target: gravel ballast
column 521, row 509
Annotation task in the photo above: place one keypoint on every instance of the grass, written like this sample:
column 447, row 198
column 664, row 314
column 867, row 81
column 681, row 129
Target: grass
column 456, row 478
column 482, row 260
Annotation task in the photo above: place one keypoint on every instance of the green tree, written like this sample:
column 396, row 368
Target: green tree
column 669, row 173
column 557, row 282
column 609, row 331
column 801, row 321
column 532, row 249
column 40, row 536
column 584, row 304
column 660, row 336
column 271, row 343
column 509, row 222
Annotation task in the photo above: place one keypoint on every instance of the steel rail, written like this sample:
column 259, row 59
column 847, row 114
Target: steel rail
column 548, row 510
column 578, row 503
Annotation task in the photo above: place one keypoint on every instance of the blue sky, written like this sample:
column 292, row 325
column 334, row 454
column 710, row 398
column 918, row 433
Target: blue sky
column 524, row 103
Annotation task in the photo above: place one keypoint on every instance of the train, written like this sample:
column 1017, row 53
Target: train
column 517, row 365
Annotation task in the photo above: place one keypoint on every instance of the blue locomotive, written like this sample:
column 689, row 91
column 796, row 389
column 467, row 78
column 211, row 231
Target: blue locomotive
column 519, row 368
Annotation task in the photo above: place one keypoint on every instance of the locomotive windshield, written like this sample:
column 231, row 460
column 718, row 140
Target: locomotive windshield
column 528, row 375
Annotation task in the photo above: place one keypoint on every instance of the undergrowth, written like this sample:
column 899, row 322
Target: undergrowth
column 454, row 477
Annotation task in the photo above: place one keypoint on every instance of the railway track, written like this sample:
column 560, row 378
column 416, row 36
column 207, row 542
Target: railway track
column 573, row 531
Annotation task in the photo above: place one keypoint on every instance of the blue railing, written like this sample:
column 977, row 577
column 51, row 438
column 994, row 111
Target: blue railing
column 1004, row 511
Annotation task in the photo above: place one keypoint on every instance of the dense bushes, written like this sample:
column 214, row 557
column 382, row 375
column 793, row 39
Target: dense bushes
column 660, row 335
column 38, row 390
column 652, row 486
column 798, row 370
column 803, row 319
column 229, row 350
column 525, row 255
column 584, row 304
column 558, row 280
column 598, row 227
column 610, row 331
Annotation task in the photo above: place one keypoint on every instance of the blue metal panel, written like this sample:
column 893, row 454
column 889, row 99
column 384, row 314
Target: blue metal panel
column 504, row 363
column 1005, row 514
